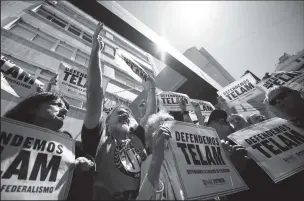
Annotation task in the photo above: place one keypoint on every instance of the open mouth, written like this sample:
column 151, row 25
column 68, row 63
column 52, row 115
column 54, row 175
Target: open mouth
column 62, row 116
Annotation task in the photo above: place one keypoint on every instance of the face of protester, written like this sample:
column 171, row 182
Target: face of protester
column 238, row 122
column 288, row 102
column 222, row 127
column 257, row 118
column 51, row 114
column 119, row 122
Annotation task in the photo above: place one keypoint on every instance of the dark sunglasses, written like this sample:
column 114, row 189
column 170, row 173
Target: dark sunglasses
column 280, row 96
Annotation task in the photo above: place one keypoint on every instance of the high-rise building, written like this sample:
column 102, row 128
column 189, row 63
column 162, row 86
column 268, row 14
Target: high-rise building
column 209, row 65
column 39, row 35
column 291, row 62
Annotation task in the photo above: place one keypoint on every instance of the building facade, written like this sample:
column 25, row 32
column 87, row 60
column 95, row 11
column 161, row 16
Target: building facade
column 291, row 62
column 39, row 35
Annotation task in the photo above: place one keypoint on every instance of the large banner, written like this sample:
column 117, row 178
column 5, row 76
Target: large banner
column 276, row 145
column 292, row 79
column 72, row 81
column 240, row 90
column 201, row 163
column 36, row 163
column 21, row 81
column 130, row 65
column 168, row 101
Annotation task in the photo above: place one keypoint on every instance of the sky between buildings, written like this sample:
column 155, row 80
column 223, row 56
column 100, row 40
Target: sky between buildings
column 240, row 35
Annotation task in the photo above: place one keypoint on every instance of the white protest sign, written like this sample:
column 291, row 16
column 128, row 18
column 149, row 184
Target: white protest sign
column 276, row 145
column 201, row 163
column 168, row 101
column 292, row 79
column 205, row 106
column 72, row 81
column 21, row 81
column 127, row 63
column 240, row 91
column 36, row 163
column 7, row 87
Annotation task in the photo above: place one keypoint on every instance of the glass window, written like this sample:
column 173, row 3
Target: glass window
column 80, row 59
column 21, row 31
column 43, row 42
column 109, row 50
column 86, row 62
column 74, row 30
column 64, row 51
column 87, row 37
column 59, row 22
column 109, row 71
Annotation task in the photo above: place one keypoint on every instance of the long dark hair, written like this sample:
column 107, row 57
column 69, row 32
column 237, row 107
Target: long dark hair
column 23, row 111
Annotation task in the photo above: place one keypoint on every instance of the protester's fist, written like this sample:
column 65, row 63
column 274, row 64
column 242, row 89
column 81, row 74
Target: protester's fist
column 97, row 40
column 196, row 106
column 238, row 154
column 83, row 163
column 182, row 103
column 159, row 142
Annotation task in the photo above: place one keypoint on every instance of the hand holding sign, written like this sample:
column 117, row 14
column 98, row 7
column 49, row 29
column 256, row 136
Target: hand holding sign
column 158, row 143
column 83, row 163
column 182, row 103
column 97, row 42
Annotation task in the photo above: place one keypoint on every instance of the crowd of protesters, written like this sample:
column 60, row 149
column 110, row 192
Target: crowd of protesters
column 147, row 174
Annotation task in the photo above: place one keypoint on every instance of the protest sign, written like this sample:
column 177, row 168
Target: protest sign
column 205, row 106
column 36, row 163
column 292, row 79
column 126, row 62
column 202, row 166
column 168, row 101
column 7, row 87
column 240, row 90
column 72, row 81
column 276, row 145
column 21, row 81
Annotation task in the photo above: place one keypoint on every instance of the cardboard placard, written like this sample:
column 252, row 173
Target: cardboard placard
column 36, row 163
column 292, row 79
column 168, row 101
column 21, row 81
column 276, row 145
column 240, row 91
column 202, row 166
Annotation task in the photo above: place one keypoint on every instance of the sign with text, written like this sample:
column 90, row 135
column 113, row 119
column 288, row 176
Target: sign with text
column 201, row 163
column 168, row 101
column 276, row 145
column 206, row 107
column 292, row 79
column 72, row 81
column 21, row 81
column 7, row 87
column 36, row 163
column 240, row 91
column 126, row 61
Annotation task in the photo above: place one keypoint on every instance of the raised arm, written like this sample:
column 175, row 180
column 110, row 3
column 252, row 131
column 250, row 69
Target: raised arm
column 151, row 101
column 197, row 110
column 95, row 93
column 182, row 104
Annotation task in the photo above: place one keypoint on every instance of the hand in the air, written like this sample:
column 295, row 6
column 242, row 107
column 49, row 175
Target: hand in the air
column 83, row 163
column 159, row 142
column 182, row 103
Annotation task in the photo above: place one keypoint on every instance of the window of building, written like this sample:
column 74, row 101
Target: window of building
column 87, row 37
column 23, row 32
column 109, row 50
column 52, row 17
column 64, row 50
column 74, row 30
column 81, row 57
column 40, row 40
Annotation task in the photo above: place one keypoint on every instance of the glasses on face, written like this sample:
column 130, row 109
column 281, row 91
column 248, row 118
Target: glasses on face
column 280, row 96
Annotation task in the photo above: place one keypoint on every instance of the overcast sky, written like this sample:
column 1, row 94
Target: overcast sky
column 240, row 35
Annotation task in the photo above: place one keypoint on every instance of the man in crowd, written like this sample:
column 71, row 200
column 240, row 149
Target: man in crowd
column 121, row 148
column 286, row 103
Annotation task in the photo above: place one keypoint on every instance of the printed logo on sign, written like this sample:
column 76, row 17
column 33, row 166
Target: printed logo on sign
column 128, row 159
